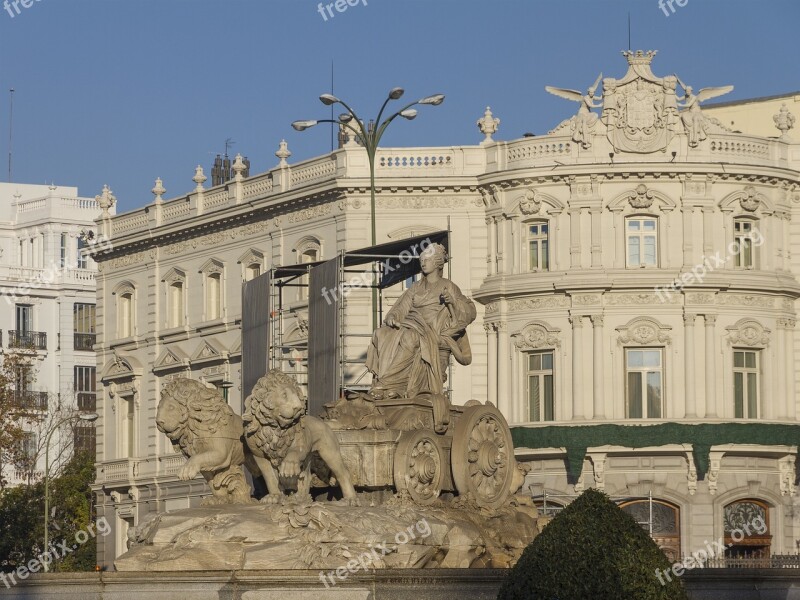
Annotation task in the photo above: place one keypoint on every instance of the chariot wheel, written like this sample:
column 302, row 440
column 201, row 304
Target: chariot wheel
column 483, row 455
column 418, row 464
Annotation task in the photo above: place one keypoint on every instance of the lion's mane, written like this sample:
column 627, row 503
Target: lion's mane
column 271, row 439
column 205, row 413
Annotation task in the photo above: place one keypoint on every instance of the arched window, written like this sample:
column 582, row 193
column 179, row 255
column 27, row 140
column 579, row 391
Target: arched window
column 746, row 528
column 308, row 251
column 175, row 302
column 126, row 311
column 661, row 520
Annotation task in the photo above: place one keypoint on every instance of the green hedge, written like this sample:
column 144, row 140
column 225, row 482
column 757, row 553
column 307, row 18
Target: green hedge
column 576, row 439
column 592, row 551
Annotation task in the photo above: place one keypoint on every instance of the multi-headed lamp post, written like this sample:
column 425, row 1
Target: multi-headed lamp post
column 370, row 138
column 82, row 417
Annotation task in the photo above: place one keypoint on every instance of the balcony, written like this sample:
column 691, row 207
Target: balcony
column 84, row 341
column 36, row 340
column 35, row 401
column 87, row 402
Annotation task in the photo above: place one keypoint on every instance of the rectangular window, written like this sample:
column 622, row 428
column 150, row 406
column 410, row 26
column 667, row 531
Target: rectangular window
column 745, row 383
column 83, row 319
column 85, row 388
column 253, row 270
column 176, row 316
column 130, row 428
column 28, row 450
column 24, row 318
column 82, row 256
column 645, row 382
column 538, row 247
column 125, row 315
column 62, row 261
column 213, row 296
column 540, row 386
column 743, row 236
column 642, row 238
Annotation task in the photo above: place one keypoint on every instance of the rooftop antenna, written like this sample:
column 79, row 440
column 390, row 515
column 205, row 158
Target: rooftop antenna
column 334, row 129
column 10, row 130
column 228, row 143
column 629, row 30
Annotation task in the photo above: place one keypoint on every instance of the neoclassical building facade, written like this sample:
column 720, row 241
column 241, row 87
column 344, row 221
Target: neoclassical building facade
column 635, row 279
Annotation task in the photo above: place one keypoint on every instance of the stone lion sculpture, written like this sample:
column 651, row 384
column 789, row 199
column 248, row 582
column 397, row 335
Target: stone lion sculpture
column 283, row 439
column 202, row 425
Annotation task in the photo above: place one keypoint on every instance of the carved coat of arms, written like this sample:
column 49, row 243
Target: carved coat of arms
column 640, row 112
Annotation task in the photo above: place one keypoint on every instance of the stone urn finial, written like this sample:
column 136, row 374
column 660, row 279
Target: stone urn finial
column 238, row 167
column 488, row 125
column 199, row 178
column 283, row 153
column 159, row 191
column 784, row 121
column 105, row 200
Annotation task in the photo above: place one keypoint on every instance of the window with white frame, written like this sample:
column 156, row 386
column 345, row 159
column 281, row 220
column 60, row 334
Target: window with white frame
column 62, row 260
column 538, row 246
column 82, row 256
column 539, row 384
column 743, row 237
column 252, row 271
column 175, row 304
column 641, row 235
column 644, row 377
column 125, row 314
column 213, row 296
column 745, row 383
column 309, row 255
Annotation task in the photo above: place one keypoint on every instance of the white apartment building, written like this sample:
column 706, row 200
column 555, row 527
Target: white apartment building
column 678, row 399
column 47, row 280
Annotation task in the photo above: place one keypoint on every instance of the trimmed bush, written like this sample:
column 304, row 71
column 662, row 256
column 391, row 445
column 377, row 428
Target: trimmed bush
column 592, row 550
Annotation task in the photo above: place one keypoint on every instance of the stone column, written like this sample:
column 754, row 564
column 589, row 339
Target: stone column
column 708, row 230
column 514, row 245
column 491, row 364
column 597, row 236
column 502, row 235
column 791, row 412
column 575, row 237
column 491, row 245
column 577, row 368
column 597, row 368
column 517, row 412
column 774, row 405
column 619, row 240
column 503, row 370
column 688, row 239
column 688, row 354
column 711, row 367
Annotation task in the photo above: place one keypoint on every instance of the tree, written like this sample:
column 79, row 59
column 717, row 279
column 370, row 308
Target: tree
column 15, row 413
column 21, row 523
column 592, row 549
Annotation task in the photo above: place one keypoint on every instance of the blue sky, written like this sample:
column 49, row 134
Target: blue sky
column 123, row 91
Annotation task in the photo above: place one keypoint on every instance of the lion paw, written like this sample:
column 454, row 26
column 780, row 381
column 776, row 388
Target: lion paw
column 273, row 499
column 354, row 501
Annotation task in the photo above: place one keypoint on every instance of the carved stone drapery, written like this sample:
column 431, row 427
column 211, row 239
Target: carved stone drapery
column 748, row 332
column 535, row 335
column 644, row 331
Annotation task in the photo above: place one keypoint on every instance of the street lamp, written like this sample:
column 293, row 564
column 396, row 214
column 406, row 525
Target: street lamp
column 83, row 417
column 370, row 138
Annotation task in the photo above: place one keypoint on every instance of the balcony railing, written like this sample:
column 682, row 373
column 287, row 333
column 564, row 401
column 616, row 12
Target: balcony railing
column 27, row 339
column 776, row 561
column 84, row 341
column 87, row 401
column 28, row 400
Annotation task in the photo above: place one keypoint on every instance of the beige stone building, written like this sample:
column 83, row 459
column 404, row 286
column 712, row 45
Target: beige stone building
column 635, row 271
